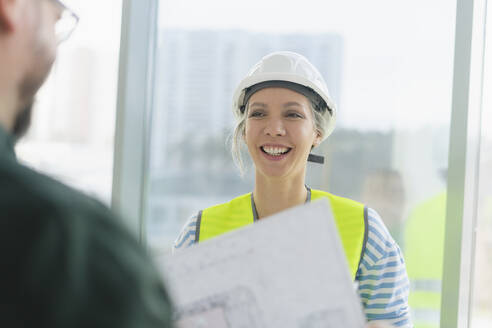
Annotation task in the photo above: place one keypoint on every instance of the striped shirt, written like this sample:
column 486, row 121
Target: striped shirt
column 383, row 284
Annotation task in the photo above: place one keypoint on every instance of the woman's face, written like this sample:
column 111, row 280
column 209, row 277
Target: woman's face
column 280, row 132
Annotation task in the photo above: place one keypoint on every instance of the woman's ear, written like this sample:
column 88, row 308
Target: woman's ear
column 317, row 139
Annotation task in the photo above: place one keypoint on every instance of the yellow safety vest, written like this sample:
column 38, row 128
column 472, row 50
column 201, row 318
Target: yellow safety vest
column 350, row 218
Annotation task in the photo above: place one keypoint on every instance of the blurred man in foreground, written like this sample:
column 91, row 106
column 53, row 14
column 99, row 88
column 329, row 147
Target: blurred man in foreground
column 66, row 261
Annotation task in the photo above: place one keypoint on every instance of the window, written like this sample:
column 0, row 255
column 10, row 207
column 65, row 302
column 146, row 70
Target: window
column 389, row 67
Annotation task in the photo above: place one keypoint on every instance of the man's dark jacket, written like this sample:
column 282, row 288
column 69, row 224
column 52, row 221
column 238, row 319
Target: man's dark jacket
column 65, row 259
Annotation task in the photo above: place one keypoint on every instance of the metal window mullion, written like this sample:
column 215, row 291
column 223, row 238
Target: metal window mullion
column 463, row 164
column 131, row 155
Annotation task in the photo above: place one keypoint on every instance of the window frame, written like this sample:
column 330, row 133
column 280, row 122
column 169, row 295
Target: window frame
column 463, row 164
column 134, row 109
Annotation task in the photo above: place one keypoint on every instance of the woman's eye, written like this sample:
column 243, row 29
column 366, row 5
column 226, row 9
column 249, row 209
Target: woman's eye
column 256, row 114
column 294, row 115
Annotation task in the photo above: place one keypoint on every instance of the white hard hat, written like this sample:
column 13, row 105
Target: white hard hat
column 290, row 70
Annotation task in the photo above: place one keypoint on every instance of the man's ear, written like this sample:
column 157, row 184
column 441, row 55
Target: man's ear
column 10, row 14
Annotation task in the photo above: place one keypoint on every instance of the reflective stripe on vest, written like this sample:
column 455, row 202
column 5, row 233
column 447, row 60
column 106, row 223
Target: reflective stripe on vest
column 350, row 219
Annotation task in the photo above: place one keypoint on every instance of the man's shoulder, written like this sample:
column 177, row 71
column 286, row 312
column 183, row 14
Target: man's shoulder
column 38, row 209
column 61, row 247
column 23, row 190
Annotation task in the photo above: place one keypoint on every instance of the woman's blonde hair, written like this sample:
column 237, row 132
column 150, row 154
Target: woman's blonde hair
column 240, row 131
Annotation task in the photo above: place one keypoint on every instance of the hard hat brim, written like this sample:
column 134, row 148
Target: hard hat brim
column 330, row 115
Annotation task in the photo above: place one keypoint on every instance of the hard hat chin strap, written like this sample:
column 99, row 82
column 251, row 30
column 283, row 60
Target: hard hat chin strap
column 316, row 159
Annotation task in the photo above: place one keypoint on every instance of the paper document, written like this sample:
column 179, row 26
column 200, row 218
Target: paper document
column 288, row 270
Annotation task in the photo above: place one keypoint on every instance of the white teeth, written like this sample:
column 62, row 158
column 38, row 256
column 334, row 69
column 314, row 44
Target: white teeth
column 276, row 151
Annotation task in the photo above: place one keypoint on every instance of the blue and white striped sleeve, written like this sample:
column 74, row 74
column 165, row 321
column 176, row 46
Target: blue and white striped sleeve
column 187, row 236
column 382, row 276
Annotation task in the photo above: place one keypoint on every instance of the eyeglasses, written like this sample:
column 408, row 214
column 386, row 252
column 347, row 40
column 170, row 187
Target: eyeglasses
column 67, row 22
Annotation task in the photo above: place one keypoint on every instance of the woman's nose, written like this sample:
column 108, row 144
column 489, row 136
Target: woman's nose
column 275, row 127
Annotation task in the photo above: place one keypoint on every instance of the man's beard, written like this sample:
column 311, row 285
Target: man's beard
column 22, row 122
column 30, row 85
column 27, row 91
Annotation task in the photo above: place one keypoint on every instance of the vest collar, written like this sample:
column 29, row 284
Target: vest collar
column 255, row 212
column 253, row 206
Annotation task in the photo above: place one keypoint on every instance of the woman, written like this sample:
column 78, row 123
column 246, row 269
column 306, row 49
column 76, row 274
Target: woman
column 283, row 110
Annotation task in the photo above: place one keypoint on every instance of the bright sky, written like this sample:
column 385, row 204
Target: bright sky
column 398, row 54
column 398, row 60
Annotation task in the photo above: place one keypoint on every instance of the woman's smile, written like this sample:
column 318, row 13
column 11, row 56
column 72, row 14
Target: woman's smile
column 275, row 152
